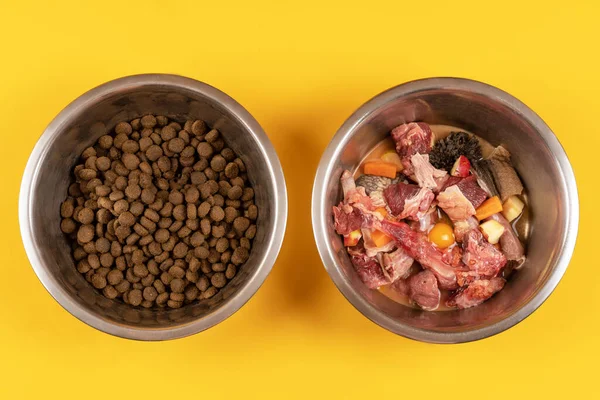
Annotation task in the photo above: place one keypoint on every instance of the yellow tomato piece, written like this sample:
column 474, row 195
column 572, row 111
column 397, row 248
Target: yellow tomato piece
column 442, row 235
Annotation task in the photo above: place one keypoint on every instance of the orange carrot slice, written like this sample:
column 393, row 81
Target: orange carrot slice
column 491, row 206
column 379, row 238
column 382, row 211
column 380, row 168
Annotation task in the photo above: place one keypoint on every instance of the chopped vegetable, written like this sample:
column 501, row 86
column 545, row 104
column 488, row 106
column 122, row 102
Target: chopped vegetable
column 492, row 231
column 461, row 168
column 512, row 208
column 352, row 238
column 379, row 238
column 488, row 208
column 393, row 158
column 442, row 235
column 380, row 168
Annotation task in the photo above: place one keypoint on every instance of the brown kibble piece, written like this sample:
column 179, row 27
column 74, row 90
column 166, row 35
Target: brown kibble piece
column 212, row 136
column 105, row 142
column 135, row 297
column 204, row 149
column 123, row 128
column 98, row 281
column 239, row 256
column 148, row 121
column 234, row 193
column 231, row 170
column 210, row 292
column 176, row 145
column 180, row 250
column 217, row 214
column 150, row 293
column 130, row 147
column 240, row 224
column 131, row 161
column 85, row 216
column 114, row 277
column 177, row 285
column 85, row 234
column 218, row 163
column 230, row 271
column 154, row 152
column 218, row 280
column 199, row 127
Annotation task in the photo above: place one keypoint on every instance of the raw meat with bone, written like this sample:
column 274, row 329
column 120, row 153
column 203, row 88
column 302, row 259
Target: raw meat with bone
column 476, row 293
column 425, row 174
column 368, row 268
column 408, row 201
column 480, row 256
column 396, row 264
column 423, row 290
column 461, row 228
column 356, row 204
column 418, row 247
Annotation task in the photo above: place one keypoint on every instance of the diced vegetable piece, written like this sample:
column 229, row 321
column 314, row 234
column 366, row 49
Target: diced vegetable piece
column 379, row 238
column 380, row 168
column 492, row 231
column 393, row 158
column 352, row 238
column 442, row 235
column 488, row 208
column 382, row 211
column 512, row 208
column 461, row 168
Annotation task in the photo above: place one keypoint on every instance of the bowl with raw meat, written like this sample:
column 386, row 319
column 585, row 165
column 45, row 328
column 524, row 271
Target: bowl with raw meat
column 445, row 210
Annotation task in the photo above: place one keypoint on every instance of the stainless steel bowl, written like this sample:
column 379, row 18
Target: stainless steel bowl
column 538, row 157
column 46, row 179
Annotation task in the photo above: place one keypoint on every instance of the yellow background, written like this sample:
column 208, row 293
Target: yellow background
column 300, row 68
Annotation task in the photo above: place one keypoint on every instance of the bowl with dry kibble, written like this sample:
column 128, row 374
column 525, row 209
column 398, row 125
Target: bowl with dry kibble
column 153, row 207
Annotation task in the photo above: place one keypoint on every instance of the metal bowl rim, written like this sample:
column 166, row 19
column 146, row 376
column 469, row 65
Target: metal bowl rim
column 341, row 138
column 230, row 305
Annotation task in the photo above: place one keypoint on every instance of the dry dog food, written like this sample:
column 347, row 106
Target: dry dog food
column 159, row 214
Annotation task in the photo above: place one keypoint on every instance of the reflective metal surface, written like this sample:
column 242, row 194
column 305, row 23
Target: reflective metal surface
column 538, row 157
column 46, row 179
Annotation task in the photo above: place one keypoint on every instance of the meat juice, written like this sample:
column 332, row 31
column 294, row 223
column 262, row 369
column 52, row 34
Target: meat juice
column 521, row 224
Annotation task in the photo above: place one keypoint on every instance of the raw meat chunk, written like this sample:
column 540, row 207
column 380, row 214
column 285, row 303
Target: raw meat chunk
column 396, row 264
column 455, row 204
column 412, row 138
column 469, row 188
column 368, row 268
column 476, row 293
column 418, row 247
column 424, row 291
column 346, row 222
column 425, row 174
column 480, row 256
column 461, row 228
column 509, row 242
column 408, row 201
